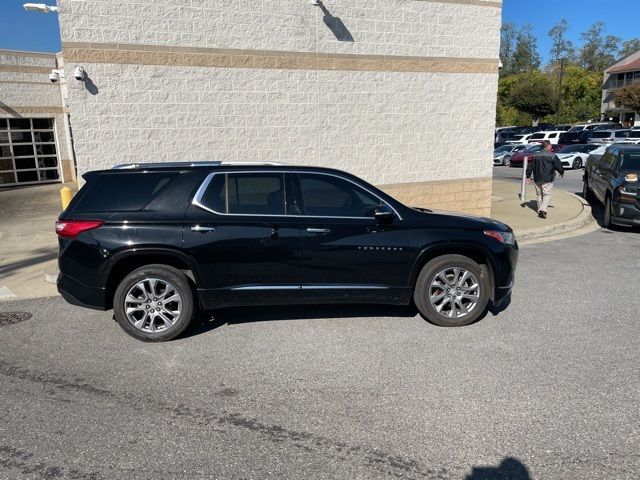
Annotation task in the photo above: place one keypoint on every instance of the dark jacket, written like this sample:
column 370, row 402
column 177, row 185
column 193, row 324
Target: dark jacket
column 544, row 167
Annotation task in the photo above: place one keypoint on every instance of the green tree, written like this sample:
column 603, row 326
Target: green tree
column 581, row 94
column 561, row 48
column 630, row 47
column 525, row 55
column 628, row 97
column 508, row 35
column 598, row 51
column 534, row 95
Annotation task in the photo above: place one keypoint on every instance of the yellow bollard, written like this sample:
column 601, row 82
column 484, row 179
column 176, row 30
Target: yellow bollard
column 66, row 194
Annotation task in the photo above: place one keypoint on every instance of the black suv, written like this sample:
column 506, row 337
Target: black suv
column 613, row 180
column 155, row 242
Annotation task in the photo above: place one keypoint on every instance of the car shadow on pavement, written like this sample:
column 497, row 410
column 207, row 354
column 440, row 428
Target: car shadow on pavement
column 39, row 256
column 509, row 469
column 210, row 320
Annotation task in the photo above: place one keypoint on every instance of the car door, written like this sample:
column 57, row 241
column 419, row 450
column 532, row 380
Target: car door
column 349, row 254
column 244, row 237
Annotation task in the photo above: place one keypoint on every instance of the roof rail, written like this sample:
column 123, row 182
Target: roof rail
column 128, row 166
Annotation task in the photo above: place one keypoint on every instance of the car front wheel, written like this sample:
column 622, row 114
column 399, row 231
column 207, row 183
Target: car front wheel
column 452, row 291
column 506, row 161
column 154, row 303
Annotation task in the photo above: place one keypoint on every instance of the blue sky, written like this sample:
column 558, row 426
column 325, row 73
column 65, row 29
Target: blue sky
column 621, row 17
column 22, row 30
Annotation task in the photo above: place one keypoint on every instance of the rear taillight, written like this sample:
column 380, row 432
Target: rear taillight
column 73, row 228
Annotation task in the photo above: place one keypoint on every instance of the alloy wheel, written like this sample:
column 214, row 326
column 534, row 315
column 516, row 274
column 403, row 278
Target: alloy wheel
column 153, row 305
column 506, row 161
column 454, row 292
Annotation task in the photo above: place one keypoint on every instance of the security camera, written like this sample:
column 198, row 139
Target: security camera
column 79, row 73
column 55, row 76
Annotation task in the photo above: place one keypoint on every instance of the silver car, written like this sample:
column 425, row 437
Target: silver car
column 502, row 155
column 608, row 137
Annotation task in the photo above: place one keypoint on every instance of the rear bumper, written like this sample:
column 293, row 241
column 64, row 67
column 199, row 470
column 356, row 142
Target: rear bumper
column 77, row 293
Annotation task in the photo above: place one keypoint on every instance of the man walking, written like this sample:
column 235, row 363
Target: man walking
column 544, row 166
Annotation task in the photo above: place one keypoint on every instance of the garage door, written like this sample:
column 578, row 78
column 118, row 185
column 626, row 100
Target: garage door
column 28, row 151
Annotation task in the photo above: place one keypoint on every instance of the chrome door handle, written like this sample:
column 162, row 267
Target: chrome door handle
column 198, row 228
column 318, row 230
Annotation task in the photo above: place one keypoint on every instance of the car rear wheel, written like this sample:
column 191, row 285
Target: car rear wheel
column 452, row 291
column 506, row 161
column 154, row 303
column 577, row 163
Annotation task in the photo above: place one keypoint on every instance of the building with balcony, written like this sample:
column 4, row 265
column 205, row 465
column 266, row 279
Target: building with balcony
column 623, row 73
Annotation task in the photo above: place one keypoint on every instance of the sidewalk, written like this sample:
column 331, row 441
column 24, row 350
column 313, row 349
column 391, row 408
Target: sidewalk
column 29, row 246
column 569, row 215
column 28, row 242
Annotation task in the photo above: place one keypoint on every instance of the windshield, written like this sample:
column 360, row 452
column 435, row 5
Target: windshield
column 631, row 161
column 572, row 149
column 577, row 128
column 634, row 134
column 533, row 148
column 503, row 149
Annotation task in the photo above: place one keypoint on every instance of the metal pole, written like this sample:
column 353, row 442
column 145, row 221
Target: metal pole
column 523, row 191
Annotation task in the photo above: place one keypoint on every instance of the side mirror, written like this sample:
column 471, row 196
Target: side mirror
column 383, row 215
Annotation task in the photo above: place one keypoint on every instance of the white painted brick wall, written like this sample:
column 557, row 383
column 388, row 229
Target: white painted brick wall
column 388, row 127
column 381, row 27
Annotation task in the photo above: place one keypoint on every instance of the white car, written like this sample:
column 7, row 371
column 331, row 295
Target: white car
column 575, row 156
column 552, row 136
column 633, row 137
column 502, row 155
column 608, row 136
column 520, row 139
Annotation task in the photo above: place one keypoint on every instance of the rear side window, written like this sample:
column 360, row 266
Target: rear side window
column 246, row 194
column 601, row 135
column 123, row 192
column 537, row 136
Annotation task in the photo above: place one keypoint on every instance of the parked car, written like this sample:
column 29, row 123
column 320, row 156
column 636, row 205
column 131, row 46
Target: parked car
column 575, row 156
column 155, row 242
column 632, row 137
column 553, row 136
column 608, row 136
column 519, row 139
column 607, row 126
column 613, row 180
column 517, row 160
column 503, row 154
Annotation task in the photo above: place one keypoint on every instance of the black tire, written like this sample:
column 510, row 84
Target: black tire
column 423, row 290
column 174, row 278
column 606, row 216
column 586, row 191
column 577, row 163
column 506, row 160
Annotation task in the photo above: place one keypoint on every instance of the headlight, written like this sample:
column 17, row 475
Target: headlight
column 632, row 177
column 508, row 238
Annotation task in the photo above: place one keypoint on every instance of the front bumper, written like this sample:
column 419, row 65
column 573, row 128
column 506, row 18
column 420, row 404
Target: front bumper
column 625, row 214
column 77, row 293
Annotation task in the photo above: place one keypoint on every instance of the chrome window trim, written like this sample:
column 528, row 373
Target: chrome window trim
column 197, row 198
column 309, row 287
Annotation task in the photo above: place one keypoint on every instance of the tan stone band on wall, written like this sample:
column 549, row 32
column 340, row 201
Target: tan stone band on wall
column 217, row 57
column 31, row 110
column 468, row 195
column 25, row 69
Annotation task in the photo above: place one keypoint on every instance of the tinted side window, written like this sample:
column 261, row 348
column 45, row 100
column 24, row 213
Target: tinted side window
column 246, row 194
column 327, row 196
column 123, row 192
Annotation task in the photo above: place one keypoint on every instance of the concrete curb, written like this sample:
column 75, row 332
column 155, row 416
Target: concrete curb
column 583, row 219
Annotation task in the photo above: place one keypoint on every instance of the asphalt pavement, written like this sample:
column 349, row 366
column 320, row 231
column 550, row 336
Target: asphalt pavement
column 547, row 388
column 571, row 182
